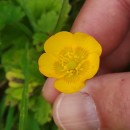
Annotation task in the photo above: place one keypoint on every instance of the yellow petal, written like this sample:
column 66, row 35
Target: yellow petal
column 46, row 65
column 91, row 66
column 58, row 42
column 68, row 87
column 88, row 43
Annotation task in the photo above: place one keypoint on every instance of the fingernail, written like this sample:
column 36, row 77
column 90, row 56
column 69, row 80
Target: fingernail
column 76, row 112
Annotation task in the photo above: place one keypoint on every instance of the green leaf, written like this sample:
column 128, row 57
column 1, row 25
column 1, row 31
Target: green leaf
column 34, row 74
column 15, row 93
column 32, row 123
column 51, row 21
column 41, row 109
column 43, row 15
column 10, row 101
column 47, row 22
column 15, row 55
column 17, row 65
column 14, row 35
column 54, row 18
column 35, row 8
column 15, row 73
column 39, row 38
column 9, row 13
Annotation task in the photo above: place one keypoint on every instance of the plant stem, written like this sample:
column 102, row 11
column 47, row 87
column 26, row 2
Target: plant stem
column 57, row 27
column 9, row 120
column 24, row 102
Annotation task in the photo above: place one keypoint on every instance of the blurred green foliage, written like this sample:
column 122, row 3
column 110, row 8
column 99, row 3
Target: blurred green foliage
column 24, row 26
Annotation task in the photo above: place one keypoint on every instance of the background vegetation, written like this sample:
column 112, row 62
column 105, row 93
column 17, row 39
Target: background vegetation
column 24, row 26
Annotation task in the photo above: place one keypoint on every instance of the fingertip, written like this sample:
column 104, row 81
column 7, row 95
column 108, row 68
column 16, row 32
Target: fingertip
column 75, row 111
column 49, row 92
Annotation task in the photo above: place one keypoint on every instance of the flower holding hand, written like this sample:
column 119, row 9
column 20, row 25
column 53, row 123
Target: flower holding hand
column 71, row 59
column 104, row 102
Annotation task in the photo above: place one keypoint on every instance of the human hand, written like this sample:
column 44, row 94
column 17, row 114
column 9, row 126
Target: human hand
column 104, row 103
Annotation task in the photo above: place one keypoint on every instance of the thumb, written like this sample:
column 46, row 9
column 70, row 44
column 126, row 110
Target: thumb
column 102, row 105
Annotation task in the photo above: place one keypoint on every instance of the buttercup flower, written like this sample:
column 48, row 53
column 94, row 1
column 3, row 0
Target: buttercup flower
column 71, row 59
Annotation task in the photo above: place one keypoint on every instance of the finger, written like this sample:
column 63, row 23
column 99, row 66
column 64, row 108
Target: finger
column 97, row 19
column 49, row 92
column 107, row 22
column 119, row 59
column 103, row 104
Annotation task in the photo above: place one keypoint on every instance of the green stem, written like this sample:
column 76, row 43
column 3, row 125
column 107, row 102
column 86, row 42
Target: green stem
column 10, row 118
column 60, row 16
column 24, row 102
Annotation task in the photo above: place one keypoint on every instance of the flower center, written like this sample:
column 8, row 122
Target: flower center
column 71, row 65
column 71, row 62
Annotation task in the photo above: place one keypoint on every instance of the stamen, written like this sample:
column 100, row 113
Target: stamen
column 71, row 62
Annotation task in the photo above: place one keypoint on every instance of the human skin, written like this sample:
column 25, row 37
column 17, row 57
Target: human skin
column 104, row 103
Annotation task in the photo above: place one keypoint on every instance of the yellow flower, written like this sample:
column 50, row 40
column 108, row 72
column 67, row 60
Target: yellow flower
column 71, row 59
